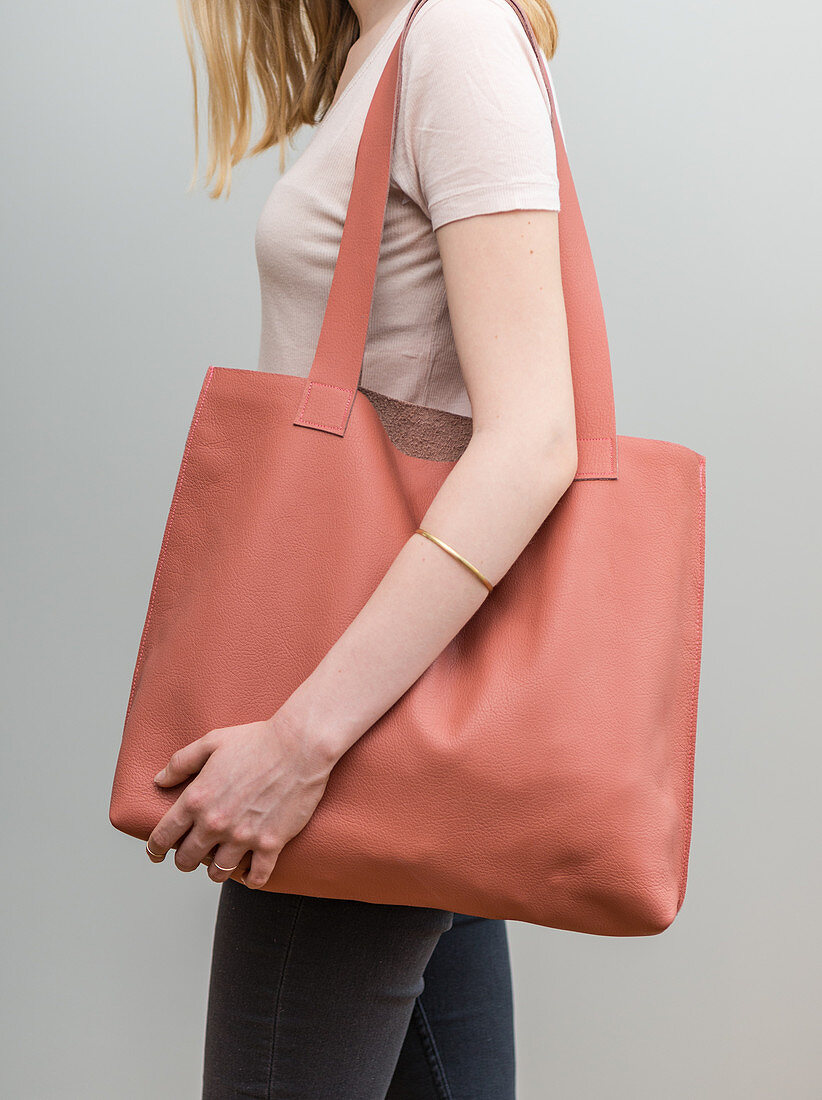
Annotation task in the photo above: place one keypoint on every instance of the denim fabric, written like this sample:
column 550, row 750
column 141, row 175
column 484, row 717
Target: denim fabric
column 321, row 999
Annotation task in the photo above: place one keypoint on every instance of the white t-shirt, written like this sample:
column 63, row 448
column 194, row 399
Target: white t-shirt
column 473, row 137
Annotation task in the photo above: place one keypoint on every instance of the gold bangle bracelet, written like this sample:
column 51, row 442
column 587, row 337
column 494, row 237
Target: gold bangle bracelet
column 454, row 554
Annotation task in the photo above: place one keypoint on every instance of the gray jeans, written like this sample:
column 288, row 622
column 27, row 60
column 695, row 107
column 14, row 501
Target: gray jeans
column 319, row 999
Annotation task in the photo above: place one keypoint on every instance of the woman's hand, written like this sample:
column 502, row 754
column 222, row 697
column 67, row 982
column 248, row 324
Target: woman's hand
column 258, row 785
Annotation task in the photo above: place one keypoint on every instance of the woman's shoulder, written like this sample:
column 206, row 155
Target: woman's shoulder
column 474, row 128
column 461, row 15
column 460, row 25
column 480, row 43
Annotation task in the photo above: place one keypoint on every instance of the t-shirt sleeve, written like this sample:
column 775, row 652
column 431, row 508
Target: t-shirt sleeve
column 473, row 129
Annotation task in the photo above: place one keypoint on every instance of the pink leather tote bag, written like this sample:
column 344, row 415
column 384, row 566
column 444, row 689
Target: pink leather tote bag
column 541, row 769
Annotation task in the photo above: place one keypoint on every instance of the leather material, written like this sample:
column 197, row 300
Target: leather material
column 341, row 345
column 541, row 769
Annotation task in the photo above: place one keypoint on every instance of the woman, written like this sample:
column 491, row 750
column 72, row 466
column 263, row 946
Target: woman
column 314, row 997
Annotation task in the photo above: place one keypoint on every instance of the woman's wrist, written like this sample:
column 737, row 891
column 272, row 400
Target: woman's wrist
column 324, row 736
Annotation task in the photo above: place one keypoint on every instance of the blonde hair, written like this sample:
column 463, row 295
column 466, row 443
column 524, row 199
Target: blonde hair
column 289, row 54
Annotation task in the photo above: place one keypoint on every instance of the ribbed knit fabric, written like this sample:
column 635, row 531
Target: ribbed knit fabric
column 473, row 137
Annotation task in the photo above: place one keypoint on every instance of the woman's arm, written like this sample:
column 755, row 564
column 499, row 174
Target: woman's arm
column 259, row 784
column 504, row 290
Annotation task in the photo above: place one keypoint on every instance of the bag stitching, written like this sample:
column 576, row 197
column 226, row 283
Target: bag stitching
column 692, row 717
column 316, row 424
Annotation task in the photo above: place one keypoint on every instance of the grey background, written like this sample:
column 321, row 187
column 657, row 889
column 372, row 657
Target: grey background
column 693, row 134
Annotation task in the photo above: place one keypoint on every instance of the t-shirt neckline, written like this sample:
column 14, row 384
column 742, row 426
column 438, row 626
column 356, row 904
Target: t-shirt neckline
column 370, row 57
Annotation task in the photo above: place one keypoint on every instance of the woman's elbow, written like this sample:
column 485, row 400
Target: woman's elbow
column 529, row 451
column 549, row 463
column 560, row 458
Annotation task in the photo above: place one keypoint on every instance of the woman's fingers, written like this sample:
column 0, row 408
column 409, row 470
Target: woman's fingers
column 186, row 761
column 245, row 863
column 230, row 856
column 174, row 823
column 242, row 866
column 262, row 866
column 224, row 861
column 196, row 844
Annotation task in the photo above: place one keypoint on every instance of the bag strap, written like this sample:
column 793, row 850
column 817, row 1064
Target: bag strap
column 332, row 382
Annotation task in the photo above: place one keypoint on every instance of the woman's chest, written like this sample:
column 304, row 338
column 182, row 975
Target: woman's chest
column 298, row 234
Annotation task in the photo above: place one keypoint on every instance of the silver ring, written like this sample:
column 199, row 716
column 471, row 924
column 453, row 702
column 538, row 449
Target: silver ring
column 219, row 868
